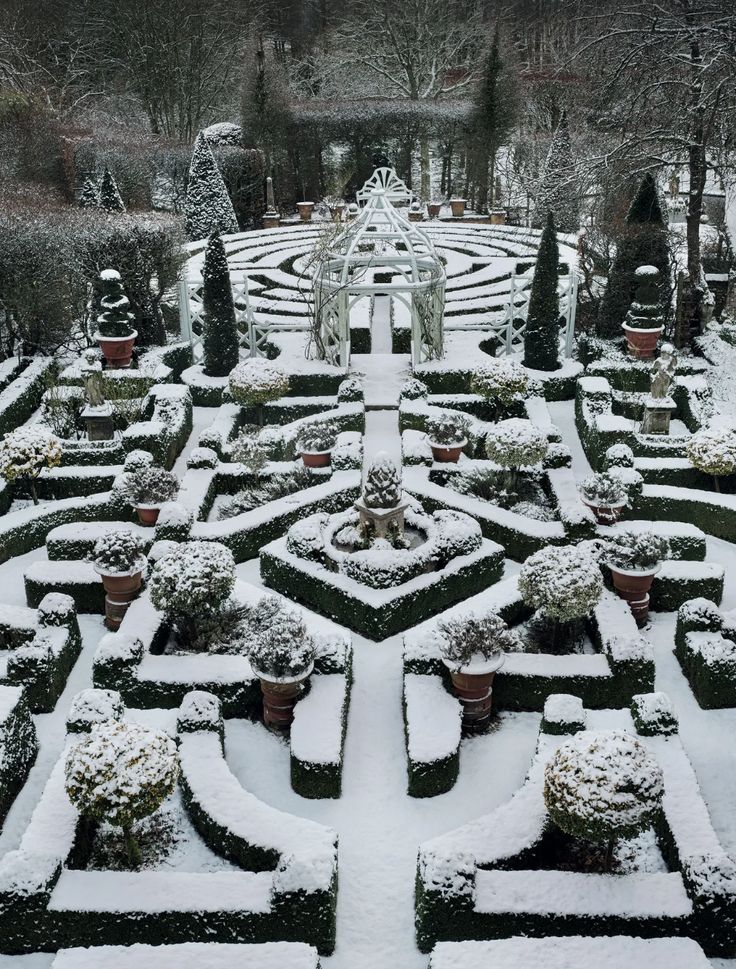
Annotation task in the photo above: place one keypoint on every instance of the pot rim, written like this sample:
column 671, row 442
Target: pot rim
column 316, row 453
column 268, row 678
column 477, row 669
column 447, row 447
column 101, row 338
column 640, row 572
column 642, row 329
column 121, row 575
column 150, row 507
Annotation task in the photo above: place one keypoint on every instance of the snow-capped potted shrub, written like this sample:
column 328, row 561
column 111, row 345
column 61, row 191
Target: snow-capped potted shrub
column 605, row 496
column 148, row 489
column 256, row 382
column 120, row 773
column 712, row 450
column 119, row 560
column 447, row 436
column 281, row 653
column 602, row 786
column 315, row 443
column 644, row 323
column 473, row 648
column 25, row 453
column 514, row 444
column 190, row 586
column 563, row 582
column 115, row 333
column 633, row 558
column 502, row 383
column 457, row 205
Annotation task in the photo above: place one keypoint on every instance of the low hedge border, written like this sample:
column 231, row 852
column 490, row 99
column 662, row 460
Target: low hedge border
column 18, row 745
column 714, row 513
column 705, row 646
column 430, row 771
column 20, row 398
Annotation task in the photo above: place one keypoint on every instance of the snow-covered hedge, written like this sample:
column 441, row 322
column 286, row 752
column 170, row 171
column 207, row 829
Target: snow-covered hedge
column 18, row 745
column 563, row 714
column 257, row 381
column 705, row 645
column 564, row 583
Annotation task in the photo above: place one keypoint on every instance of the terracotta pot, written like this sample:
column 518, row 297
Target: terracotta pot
column 316, row 459
column 642, row 343
column 458, row 208
column 634, row 586
column 117, row 350
column 434, row 209
column 447, row 453
column 473, row 686
column 305, row 210
column 606, row 514
column 280, row 697
column 498, row 216
column 120, row 590
column 148, row 514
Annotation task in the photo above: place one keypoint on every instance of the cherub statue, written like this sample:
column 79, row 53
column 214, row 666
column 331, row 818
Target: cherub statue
column 92, row 376
column 663, row 372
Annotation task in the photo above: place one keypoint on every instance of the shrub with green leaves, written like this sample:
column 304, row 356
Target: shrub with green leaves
column 516, row 443
column 150, row 485
column 316, row 437
column 501, row 382
column 542, row 333
column 280, row 645
column 257, row 381
column 712, row 450
column 119, row 552
column 563, row 581
column 464, row 640
column 115, row 318
column 220, row 337
column 447, row 429
column 25, row 453
column 637, row 551
column 603, row 490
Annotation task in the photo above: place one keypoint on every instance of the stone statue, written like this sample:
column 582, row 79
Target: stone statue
column 674, row 185
column 92, row 376
column 663, row 372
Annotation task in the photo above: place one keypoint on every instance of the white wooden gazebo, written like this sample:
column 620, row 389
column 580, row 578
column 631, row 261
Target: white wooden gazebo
column 379, row 245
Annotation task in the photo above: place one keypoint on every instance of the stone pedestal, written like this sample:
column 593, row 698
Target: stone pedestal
column 99, row 422
column 271, row 219
column 657, row 415
column 498, row 216
column 380, row 521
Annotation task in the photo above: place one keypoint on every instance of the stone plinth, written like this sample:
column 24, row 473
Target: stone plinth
column 99, row 422
column 657, row 415
column 271, row 219
column 380, row 521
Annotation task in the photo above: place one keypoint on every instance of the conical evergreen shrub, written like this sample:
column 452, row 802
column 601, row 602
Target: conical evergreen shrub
column 207, row 206
column 558, row 190
column 643, row 243
column 110, row 198
column 382, row 488
column 89, row 197
column 220, row 333
column 115, row 318
column 542, row 335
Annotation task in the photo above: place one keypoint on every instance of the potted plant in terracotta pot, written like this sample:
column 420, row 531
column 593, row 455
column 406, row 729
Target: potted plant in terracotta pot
column 644, row 323
column 119, row 560
column 149, row 488
column 473, row 649
column 434, row 208
column 447, row 434
column 281, row 653
column 605, row 496
column 115, row 333
column 634, row 559
column 315, row 444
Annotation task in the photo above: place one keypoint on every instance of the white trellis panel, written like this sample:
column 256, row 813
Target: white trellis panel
column 387, row 181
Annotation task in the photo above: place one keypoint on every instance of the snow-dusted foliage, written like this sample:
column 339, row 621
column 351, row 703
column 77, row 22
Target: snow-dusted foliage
column 89, row 197
column 350, row 390
column 223, row 133
column 638, row 551
column 26, row 452
column 207, row 206
column 192, row 583
column 280, row 645
column 563, row 581
column 382, row 488
column 653, row 714
column 119, row 552
column 619, row 456
column 646, row 311
column 115, row 318
column 316, row 437
column 110, row 197
column 448, row 428
column 603, row 785
column 501, row 381
column 455, row 533
column 257, row 381
column 475, row 639
column 712, row 450
column 220, row 336
column 121, row 772
column 413, row 389
column 516, row 443
column 306, row 539
column 603, row 490
column 150, row 485
column 247, row 449
column 558, row 189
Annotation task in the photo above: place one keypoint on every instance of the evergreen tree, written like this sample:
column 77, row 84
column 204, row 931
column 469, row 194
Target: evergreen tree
column 493, row 116
column 541, row 338
column 115, row 319
column 89, row 197
column 642, row 243
column 207, row 206
column 110, row 198
column 558, row 187
column 220, row 333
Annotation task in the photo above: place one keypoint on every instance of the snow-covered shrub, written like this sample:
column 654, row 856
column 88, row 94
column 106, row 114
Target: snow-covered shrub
column 151, row 486
column 256, row 381
column 563, row 581
column 638, row 551
column 267, row 489
column 456, row 534
column 382, row 566
column 603, row 490
column 563, row 714
column 316, row 437
column 207, row 206
column 249, row 450
column 26, row 452
column 501, row 381
column 115, row 318
column 137, row 460
column 602, row 786
column 350, row 390
column 646, row 311
column 653, row 714
column 191, row 585
column 699, row 615
column 474, row 639
column 223, row 133
column 516, row 443
column 413, row 389
column 305, row 538
column 119, row 552
column 448, row 428
column 202, row 457
column 382, row 488
column 119, row 773
column 712, row 450
column 280, row 646
column 619, row 456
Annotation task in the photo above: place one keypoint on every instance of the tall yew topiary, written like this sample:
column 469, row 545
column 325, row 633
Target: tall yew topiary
column 642, row 243
column 89, row 197
column 220, row 332
column 541, row 338
column 110, row 198
column 558, row 189
column 207, row 206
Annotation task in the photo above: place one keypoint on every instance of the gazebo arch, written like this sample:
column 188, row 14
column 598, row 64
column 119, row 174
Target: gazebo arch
column 386, row 178
column 379, row 239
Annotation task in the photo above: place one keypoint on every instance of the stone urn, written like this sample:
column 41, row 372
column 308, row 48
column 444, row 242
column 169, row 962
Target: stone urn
column 434, row 209
column 458, row 207
column 280, row 694
column 305, row 210
column 121, row 588
column 498, row 216
column 473, row 686
column 634, row 585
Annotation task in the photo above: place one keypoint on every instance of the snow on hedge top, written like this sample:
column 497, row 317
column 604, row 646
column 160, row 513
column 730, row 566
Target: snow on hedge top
column 188, row 955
